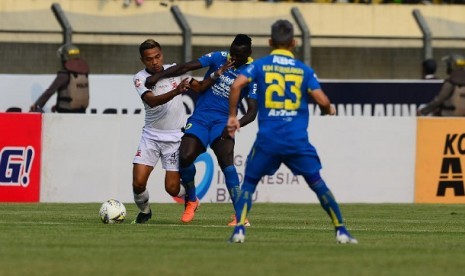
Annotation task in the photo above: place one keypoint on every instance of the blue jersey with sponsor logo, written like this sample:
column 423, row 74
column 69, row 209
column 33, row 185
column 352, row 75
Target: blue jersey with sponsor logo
column 283, row 87
column 214, row 103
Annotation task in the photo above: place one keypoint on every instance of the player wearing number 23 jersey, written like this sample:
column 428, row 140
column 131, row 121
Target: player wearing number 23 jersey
column 285, row 87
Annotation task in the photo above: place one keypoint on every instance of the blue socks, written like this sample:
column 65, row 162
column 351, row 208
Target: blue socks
column 188, row 175
column 327, row 200
column 244, row 200
column 232, row 183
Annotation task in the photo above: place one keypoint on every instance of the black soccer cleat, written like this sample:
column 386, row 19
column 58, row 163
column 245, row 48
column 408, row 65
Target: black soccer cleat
column 142, row 218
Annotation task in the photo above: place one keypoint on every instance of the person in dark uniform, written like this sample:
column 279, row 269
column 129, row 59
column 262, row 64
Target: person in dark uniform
column 450, row 101
column 71, row 83
column 428, row 69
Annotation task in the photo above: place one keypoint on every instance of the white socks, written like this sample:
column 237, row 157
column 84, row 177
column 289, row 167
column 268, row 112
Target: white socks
column 182, row 191
column 142, row 201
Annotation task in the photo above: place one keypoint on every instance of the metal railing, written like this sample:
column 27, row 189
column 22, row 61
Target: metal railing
column 187, row 34
column 427, row 35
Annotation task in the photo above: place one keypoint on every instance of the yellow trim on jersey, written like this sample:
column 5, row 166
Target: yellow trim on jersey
column 282, row 52
column 249, row 60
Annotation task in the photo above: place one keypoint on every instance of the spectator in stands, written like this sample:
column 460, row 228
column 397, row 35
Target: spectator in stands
column 429, row 69
column 126, row 3
column 450, row 100
column 71, row 83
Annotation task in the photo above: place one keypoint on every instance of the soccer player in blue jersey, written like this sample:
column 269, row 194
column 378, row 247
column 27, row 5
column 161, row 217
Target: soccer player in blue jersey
column 206, row 126
column 285, row 86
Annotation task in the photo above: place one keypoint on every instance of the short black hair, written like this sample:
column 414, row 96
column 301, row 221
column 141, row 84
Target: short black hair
column 148, row 44
column 282, row 33
column 242, row 40
column 429, row 66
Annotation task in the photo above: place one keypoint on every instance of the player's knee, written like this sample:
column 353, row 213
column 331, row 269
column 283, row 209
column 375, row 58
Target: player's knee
column 225, row 162
column 172, row 190
column 186, row 160
column 225, row 158
column 186, row 157
column 138, row 187
column 313, row 179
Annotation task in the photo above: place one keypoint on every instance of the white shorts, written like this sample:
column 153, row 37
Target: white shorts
column 150, row 151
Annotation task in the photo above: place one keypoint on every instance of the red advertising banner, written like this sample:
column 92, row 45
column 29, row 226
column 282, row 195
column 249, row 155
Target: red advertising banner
column 20, row 155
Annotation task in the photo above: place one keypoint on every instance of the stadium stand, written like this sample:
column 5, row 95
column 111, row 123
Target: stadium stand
column 348, row 40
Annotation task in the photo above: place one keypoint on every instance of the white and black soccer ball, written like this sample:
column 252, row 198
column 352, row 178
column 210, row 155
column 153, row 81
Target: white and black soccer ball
column 112, row 211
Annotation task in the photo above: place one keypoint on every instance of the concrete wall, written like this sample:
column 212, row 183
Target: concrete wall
column 85, row 162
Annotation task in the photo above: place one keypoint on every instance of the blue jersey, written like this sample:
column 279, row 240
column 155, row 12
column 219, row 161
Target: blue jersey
column 283, row 87
column 212, row 108
column 215, row 101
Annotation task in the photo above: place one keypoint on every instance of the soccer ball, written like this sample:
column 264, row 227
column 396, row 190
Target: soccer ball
column 112, row 211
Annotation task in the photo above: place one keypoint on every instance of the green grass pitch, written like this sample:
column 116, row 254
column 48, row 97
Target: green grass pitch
column 284, row 239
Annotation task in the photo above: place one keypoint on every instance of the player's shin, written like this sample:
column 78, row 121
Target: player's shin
column 327, row 201
column 182, row 191
column 142, row 201
column 244, row 201
column 232, row 183
column 188, row 177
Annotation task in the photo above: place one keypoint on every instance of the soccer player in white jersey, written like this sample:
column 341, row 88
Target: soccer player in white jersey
column 165, row 117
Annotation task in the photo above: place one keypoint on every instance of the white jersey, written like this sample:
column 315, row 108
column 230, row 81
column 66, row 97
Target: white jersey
column 163, row 122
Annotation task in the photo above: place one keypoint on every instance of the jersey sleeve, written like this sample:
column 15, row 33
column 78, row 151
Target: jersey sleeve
column 252, row 91
column 139, row 84
column 313, row 82
column 213, row 60
column 208, row 59
column 250, row 72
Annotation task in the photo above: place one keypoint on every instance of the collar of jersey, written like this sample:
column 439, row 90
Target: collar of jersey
column 282, row 52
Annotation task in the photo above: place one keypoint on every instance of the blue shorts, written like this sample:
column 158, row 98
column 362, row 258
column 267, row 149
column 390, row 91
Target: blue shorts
column 207, row 131
column 261, row 162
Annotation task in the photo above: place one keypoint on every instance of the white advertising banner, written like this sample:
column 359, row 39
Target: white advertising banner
column 113, row 94
column 365, row 160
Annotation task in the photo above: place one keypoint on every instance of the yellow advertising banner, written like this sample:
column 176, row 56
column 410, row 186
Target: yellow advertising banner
column 440, row 160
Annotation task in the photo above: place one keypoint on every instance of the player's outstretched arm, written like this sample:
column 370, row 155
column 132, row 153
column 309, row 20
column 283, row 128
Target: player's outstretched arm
column 173, row 71
column 323, row 102
column 153, row 100
column 200, row 86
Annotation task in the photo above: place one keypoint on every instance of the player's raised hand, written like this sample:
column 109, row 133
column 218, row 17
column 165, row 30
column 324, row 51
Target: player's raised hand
column 183, row 87
column 224, row 67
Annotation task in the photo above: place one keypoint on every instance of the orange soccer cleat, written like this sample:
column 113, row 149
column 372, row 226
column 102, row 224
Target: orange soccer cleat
column 189, row 211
